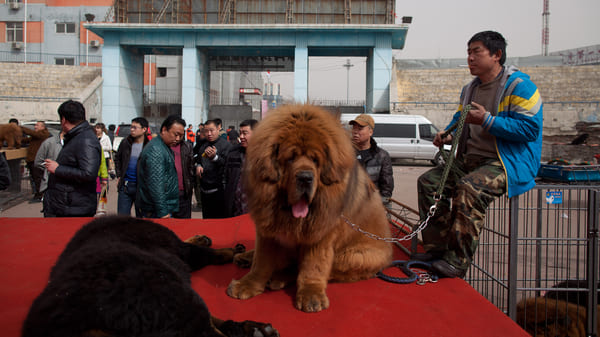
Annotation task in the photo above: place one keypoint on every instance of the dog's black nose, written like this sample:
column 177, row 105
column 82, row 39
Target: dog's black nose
column 305, row 177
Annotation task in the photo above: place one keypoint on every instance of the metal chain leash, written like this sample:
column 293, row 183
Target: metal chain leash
column 438, row 194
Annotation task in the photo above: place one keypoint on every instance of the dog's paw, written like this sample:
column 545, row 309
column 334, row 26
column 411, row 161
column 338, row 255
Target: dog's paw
column 238, row 249
column 200, row 240
column 257, row 329
column 243, row 290
column 248, row 329
column 244, row 260
column 311, row 299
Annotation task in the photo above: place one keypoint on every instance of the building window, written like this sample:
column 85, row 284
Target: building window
column 66, row 61
column 12, row 1
column 14, row 31
column 65, row 28
column 161, row 72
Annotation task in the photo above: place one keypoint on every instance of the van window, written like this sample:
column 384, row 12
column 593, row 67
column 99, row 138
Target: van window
column 427, row 131
column 395, row 130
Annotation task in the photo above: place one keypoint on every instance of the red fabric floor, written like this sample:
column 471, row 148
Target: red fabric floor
column 29, row 247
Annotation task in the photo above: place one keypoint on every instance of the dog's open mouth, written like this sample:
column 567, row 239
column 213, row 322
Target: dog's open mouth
column 300, row 208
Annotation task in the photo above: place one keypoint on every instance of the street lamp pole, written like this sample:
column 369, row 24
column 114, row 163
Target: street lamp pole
column 348, row 65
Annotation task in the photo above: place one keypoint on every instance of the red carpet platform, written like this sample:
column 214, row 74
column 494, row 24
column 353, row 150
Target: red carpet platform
column 30, row 246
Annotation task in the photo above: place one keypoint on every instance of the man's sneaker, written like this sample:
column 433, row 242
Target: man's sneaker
column 445, row 269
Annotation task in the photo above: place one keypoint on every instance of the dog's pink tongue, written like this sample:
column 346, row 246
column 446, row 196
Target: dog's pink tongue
column 300, row 209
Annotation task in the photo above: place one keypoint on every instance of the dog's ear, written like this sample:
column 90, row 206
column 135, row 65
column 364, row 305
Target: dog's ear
column 268, row 166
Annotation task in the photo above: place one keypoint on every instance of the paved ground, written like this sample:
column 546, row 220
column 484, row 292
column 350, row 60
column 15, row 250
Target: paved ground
column 405, row 191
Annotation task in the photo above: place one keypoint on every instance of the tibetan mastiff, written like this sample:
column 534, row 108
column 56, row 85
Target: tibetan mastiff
column 11, row 134
column 558, row 313
column 120, row 276
column 306, row 191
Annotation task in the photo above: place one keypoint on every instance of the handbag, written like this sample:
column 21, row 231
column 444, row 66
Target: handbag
column 102, row 207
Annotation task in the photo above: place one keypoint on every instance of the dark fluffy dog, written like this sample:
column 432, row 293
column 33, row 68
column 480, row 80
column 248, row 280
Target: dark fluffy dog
column 558, row 313
column 11, row 134
column 121, row 276
column 304, row 188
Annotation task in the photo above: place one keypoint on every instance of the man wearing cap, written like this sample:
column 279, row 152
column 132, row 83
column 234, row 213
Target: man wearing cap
column 374, row 159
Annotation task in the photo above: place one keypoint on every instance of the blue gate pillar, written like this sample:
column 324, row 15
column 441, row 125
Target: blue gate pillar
column 123, row 88
column 195, row 84
column 301, row 70
column 379, row 75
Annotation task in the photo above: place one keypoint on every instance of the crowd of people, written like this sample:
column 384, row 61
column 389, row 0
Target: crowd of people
column 499, row 152
column 156, row 178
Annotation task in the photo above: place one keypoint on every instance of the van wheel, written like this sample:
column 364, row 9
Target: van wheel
column 438, row 160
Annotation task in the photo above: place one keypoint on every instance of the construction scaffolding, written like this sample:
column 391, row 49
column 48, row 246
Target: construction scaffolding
column 254, row 11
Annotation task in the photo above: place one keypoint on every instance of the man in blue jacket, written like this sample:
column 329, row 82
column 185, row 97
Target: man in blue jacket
column 499, row 151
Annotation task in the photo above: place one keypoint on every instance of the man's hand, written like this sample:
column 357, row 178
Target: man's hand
column 476, row 114
column 438, row 141
column 199, row 171
column 51, row 165
column 210, row 152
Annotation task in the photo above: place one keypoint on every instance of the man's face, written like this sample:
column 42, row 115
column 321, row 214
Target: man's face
column 137, row 130
column 245, row 135
column 173, row 135
column 39, row 126
column 361, row 134
column 211, row 131
column 480, row 61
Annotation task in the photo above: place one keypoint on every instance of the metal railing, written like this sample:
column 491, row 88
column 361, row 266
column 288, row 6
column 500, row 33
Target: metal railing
column 532, row 243
column 48, row 58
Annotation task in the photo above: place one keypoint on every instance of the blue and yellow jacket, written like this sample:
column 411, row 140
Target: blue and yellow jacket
column 517, row 126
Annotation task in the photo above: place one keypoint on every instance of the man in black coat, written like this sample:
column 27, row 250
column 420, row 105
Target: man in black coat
column 235, row 198
column 374, row 159
column 72, row 181
column 210, row 161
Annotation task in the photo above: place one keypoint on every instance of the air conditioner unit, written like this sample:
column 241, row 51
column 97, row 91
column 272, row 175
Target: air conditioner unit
column 95, row 43
column 17, row 45
column 15, row 5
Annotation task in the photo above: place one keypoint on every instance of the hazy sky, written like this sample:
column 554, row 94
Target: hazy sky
column 441, row 29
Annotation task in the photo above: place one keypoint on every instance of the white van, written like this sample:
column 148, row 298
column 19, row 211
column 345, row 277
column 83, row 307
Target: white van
column 404, row 136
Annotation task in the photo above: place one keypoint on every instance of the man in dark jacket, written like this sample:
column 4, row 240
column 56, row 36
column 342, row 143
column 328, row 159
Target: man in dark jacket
column 235, row 198
column 126, row 160
column 72, row 181
column 374, row 159
column 157, row 191
column 210, row 161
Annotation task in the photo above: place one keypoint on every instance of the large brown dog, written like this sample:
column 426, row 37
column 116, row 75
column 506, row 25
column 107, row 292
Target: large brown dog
column 542, row 316
column 304, row 187
column 12, row 134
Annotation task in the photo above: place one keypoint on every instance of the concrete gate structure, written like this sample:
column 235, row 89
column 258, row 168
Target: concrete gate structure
column 239, row 47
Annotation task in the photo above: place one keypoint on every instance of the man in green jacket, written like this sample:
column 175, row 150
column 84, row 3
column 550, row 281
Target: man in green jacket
column 157, row 189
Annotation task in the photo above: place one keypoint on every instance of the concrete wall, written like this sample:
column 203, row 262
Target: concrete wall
column 33, row 92
column 570, row 94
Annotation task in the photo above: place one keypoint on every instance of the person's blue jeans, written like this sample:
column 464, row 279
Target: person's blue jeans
column 126, row 199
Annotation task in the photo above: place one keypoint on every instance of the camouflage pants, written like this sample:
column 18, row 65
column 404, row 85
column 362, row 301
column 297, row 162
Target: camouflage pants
column 453, row 231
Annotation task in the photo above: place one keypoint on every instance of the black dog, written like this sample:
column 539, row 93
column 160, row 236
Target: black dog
column 121, row 276
column 575, row 297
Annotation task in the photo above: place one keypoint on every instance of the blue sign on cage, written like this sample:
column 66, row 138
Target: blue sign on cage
column 554, row 197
